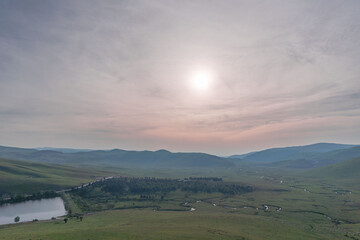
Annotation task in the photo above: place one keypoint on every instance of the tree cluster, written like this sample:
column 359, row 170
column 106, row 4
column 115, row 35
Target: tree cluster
column 215, row 179
column 146, row 187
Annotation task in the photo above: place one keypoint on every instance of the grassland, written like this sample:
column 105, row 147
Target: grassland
column 29, row 177
column 207, row 222
column 284, row 205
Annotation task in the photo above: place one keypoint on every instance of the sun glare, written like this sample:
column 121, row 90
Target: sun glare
column 201, row 81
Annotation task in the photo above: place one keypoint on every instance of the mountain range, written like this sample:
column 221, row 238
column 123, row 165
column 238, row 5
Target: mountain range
column 298, row 157
column 119, row 158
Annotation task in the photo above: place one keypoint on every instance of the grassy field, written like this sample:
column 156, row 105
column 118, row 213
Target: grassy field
column 29, row 177
column 207, row 222
column 283, row 205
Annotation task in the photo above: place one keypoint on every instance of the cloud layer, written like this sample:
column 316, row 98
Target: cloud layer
column 105, row 74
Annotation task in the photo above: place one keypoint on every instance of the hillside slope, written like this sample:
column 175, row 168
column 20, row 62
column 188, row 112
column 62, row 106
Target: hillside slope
column 320, row 160
column 120, row 158
column 345, row 170
column 27, row 177
column 292, row 153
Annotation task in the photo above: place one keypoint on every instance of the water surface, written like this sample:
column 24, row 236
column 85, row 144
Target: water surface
column 35, row 209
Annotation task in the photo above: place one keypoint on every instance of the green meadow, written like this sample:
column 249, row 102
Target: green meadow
column 28, row 177
column 205, row 223
column 283, row 205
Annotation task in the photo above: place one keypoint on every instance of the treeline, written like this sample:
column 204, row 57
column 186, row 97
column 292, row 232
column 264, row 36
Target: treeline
column 215, row 179
column 35, row 196
column 150, row 186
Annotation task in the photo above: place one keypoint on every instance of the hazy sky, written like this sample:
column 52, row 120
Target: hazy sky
column 105, row 74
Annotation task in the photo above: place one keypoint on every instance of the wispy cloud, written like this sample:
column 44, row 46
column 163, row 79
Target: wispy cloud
column 116, row 73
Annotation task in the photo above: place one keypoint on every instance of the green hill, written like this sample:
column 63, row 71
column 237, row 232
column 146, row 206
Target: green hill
column 348, row 169
column 291, row 153
column 27, row 177
column 320, row 160
column 120, row 158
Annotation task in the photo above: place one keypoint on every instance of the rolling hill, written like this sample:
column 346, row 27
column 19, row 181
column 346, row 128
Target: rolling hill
column 345, row 170
column 119, row 158
column 18, row 176
column 291, row 153
column 320, row 160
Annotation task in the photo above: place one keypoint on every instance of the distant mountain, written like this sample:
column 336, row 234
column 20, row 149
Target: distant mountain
column 292, row 153
column 320, row 160
column 64, row 150
column 241, row 156
column 119, row 158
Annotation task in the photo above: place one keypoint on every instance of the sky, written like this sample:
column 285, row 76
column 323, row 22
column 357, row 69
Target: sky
column 222, row 77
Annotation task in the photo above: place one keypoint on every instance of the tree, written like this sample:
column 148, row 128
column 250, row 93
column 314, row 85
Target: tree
column 17, row 219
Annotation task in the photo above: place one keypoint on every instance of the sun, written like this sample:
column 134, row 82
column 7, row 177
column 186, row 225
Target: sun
column 201, row 80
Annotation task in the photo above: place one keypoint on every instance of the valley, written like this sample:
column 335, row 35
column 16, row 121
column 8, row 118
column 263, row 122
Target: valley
column 253, row 202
